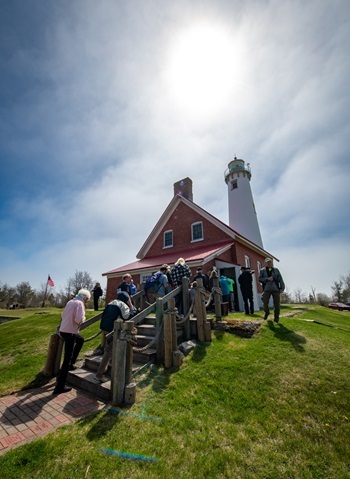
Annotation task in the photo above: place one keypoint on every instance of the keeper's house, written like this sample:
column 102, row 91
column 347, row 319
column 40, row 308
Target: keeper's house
column 185, row 230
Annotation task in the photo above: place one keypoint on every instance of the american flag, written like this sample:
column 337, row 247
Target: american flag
column 50, row 281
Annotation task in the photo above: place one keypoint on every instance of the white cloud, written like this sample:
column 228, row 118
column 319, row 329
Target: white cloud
column 96, row 142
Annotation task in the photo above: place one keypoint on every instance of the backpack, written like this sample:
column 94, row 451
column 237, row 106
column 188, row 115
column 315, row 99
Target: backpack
column 153, row 284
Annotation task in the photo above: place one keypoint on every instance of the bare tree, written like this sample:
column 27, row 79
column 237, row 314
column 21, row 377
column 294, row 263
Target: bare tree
column 337, row 289
column 299, row 296
column 313, row 295
column 80, row 279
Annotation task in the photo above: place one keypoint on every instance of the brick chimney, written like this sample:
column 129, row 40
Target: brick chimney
column 184, row 188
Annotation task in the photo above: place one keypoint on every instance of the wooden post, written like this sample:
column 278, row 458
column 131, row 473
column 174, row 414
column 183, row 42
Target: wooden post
column 130, row 393
column 128, row 326
column 171, row 305
column 185, row 295
column 51, row 355
column 177, row 359
column 159, row 321
column 118, row 365
column 57, row 363
column 168, row 347
column 217, row 300
column 198, row 298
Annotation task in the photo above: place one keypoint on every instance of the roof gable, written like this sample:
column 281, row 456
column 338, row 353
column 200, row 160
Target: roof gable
column 167, row 215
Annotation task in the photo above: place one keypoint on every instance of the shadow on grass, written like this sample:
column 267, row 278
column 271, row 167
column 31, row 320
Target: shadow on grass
column 159, row 379
column 102, row 426
column 200, row 352
column 285, row 334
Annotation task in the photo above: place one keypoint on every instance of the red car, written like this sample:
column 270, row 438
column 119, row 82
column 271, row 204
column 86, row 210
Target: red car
column 339, row 306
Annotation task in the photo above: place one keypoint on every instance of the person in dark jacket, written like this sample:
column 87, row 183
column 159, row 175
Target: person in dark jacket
column 118, row 308
column 246, row 284
column 273, row 285
column 203, row 277
column 97, row 293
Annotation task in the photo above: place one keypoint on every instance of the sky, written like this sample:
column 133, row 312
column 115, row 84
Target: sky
column 105, row 105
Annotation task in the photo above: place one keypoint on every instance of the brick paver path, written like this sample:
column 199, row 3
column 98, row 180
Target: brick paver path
column 26, row 415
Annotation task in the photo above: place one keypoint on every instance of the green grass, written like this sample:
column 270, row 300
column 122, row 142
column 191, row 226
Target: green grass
column 24, row 343
column 273, row 406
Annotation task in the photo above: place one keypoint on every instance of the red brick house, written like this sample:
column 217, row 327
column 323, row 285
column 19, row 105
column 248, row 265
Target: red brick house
column 185, row 230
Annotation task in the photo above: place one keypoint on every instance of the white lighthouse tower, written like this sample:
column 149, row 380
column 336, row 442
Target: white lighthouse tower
column 241, row 208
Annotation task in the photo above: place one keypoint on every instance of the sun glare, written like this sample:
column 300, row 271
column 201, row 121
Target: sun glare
column 202, row 70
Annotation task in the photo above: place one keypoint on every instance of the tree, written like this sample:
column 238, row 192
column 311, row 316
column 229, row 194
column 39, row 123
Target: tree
column 337, row 289
column 346, row 288
column 7, row 295
column 24, row 293
column 80, row 279
column 299, row 296
column 323, row 299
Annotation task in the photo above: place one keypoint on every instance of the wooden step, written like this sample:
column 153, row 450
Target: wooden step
column 146, row 329
column 84, row 379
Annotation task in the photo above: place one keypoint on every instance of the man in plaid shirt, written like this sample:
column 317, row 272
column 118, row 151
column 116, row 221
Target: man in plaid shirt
column 179, row 271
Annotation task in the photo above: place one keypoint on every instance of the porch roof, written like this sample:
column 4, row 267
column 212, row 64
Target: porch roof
column 194, row 256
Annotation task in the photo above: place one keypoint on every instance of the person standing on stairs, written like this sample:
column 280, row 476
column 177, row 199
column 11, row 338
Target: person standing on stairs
column 73, row 317
column 118, row 308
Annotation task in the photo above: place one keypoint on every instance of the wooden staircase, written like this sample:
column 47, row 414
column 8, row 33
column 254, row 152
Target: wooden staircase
column 83, row 376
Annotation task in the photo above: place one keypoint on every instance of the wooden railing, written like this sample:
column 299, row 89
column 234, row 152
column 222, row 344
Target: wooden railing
column 166, row 346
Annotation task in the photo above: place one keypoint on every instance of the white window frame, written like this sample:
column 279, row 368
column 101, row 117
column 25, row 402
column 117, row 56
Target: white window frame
column 172, row 239
column 247, row 261
column 192, row 231
column 259, row 266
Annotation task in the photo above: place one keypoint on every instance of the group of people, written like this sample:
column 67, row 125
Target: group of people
column 73, row 314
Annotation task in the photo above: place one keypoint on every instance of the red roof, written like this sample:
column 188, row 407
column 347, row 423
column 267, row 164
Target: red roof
column 197, row 255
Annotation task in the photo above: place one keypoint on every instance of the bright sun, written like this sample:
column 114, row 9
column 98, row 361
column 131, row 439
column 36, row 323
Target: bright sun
column 203, row 62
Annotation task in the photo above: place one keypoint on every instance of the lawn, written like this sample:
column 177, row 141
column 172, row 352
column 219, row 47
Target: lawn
column 273, row 406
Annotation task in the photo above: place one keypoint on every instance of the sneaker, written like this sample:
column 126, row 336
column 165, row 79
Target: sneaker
column 101, row 379
column 266, row 316
column 276, row 320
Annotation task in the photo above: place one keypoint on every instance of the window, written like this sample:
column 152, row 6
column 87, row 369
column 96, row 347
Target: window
column 197, row 231
column 259, row 266
column 247, row 261
column 234, row 184
column 168, row 239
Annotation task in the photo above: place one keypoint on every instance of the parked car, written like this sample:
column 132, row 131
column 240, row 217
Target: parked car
column 339, row 306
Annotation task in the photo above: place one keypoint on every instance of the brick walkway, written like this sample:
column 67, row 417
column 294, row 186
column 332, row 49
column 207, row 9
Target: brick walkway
column 33, row 413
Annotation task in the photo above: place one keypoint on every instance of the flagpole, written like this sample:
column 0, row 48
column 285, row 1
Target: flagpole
column 47, row 282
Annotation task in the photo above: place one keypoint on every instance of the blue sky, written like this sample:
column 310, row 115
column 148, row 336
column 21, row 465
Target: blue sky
column 105, row 105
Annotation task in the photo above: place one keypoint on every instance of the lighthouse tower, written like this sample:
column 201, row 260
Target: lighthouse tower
column 241, row 208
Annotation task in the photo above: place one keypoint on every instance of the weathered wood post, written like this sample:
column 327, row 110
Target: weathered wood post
column 159, row 321
column 118, row 365
column 128, row 327
column 185, row 295
column 198, row 299
column 169, row 339
column 186, row 306
column 217, row 299
column 57, row 363
column 173, row 325
column 51, row 355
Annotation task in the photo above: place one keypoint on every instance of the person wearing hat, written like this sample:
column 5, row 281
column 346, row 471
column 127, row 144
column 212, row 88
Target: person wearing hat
column 246, row 284
column 203, row 277
column 273, row 285
column 118, row 308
